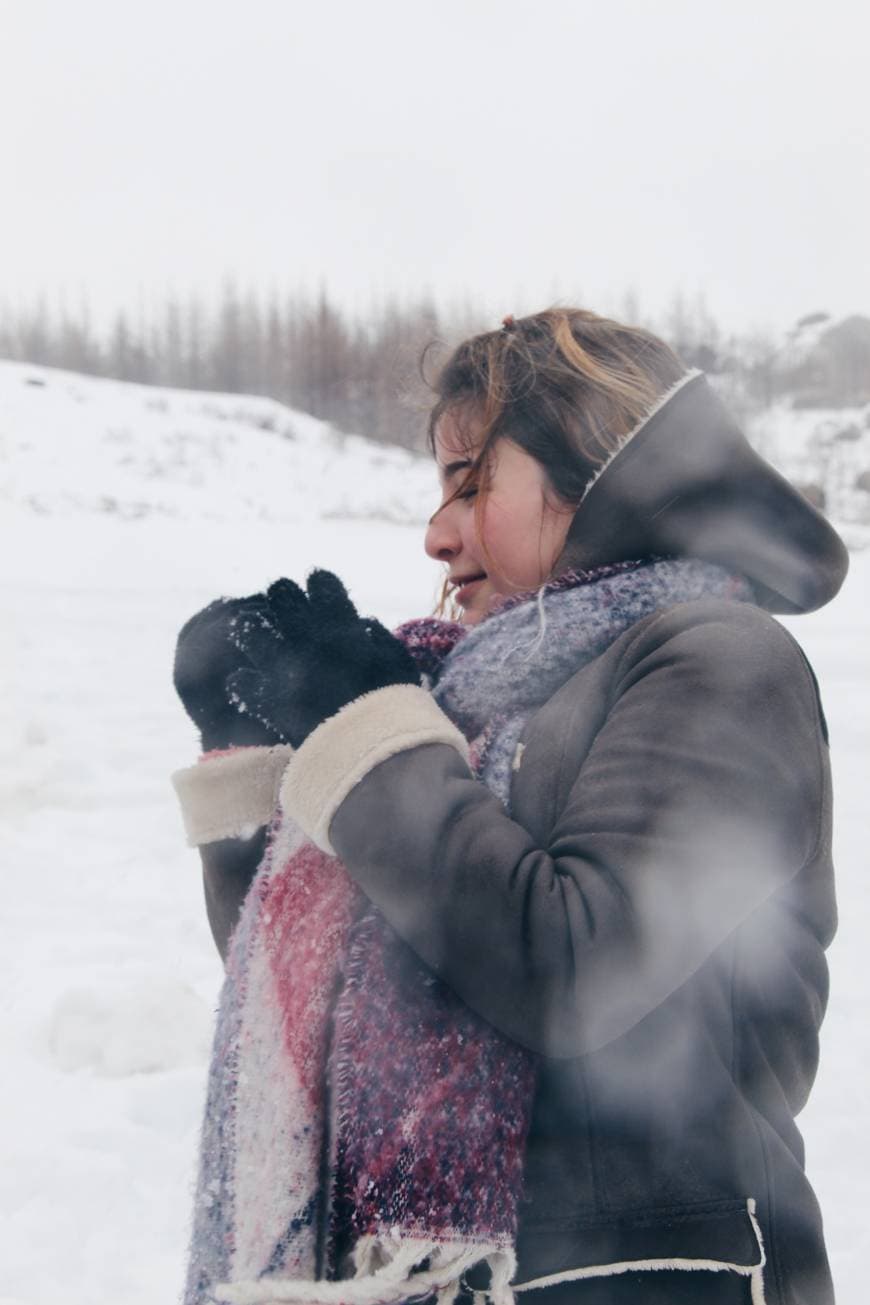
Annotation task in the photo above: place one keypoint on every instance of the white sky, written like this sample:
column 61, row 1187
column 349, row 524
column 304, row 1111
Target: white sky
column 505, row 151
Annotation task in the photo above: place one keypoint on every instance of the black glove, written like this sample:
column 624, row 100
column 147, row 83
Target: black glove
column 313, row 655
column 204, row 656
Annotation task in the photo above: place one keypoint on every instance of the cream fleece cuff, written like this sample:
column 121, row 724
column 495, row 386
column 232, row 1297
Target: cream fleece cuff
column 231, row 795
column 344, row 748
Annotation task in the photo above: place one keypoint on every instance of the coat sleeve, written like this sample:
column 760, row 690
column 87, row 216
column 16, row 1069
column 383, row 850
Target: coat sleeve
column 700, row 796
column 227, row 801
column 228, row 869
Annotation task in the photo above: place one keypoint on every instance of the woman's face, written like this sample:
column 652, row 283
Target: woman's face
column 523, row 524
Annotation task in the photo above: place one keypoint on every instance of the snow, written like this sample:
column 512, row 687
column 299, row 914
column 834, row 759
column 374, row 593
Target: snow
column 826, row 447
column 138, row 451
column 109, row 976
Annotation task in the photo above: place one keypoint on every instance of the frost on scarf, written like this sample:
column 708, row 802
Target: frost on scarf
column 353, row 1101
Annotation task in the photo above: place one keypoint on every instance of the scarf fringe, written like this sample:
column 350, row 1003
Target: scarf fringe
column 385, row 1276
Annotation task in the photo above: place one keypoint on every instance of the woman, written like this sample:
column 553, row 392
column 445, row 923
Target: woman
column 614, row 875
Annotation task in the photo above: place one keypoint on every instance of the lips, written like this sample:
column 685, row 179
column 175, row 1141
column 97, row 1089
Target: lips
column 463, row 586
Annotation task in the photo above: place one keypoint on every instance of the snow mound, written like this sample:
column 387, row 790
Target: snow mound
column 73, row 444
column 140, row 1027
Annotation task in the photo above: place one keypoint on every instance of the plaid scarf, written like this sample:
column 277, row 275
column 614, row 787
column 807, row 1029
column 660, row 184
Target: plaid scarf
column 364, row 1130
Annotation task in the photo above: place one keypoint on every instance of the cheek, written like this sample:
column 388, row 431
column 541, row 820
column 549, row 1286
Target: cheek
column 557, row 525
column 524, row 539
column 490, row 533
column 512, row 538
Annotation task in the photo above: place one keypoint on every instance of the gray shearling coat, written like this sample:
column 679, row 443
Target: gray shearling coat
column 652, row 921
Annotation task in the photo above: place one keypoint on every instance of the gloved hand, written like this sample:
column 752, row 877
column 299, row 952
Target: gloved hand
column 204, row 656
column 313, row 655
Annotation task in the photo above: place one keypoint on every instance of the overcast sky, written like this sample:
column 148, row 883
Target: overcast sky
column 509, row 152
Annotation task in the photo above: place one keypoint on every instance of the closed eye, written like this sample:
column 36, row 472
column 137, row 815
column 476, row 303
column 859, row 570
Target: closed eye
column 469, row 482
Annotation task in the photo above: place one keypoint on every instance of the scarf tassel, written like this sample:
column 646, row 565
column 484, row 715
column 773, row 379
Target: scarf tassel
column 385, row 1276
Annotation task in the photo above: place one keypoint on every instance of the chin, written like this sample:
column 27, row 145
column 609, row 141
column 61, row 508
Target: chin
column 483, row 605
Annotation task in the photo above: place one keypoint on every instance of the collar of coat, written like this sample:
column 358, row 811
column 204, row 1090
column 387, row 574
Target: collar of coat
column 687, row 483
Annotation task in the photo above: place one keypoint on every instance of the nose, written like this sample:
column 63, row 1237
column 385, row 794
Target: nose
column 442, row 537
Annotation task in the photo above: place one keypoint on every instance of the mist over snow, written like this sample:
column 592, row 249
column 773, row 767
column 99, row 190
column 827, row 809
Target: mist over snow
column 124, row 509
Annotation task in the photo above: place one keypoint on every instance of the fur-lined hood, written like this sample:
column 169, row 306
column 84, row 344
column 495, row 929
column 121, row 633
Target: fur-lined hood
column 686, row 482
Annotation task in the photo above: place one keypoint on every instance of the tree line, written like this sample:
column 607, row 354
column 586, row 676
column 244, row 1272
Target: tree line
column 362, row 374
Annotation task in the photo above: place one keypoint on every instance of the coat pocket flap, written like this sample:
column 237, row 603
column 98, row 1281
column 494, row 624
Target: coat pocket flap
column 718, row 1235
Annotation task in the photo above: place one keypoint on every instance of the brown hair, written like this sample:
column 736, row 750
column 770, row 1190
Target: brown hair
column 565, row 385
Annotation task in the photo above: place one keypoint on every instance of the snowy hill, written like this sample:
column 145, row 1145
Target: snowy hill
column 73, row 444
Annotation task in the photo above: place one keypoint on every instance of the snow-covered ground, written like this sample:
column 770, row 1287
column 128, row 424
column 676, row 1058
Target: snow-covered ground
column 107, row 971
